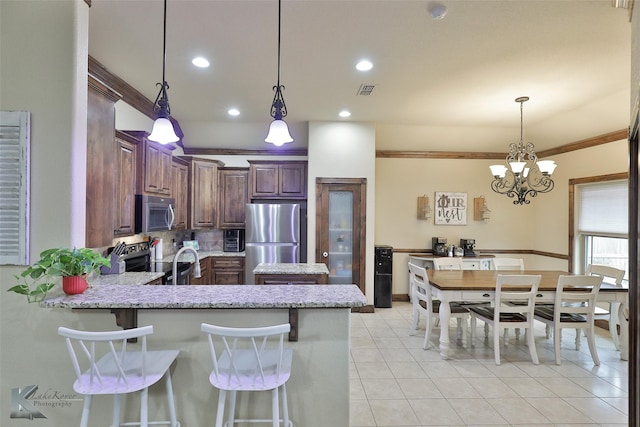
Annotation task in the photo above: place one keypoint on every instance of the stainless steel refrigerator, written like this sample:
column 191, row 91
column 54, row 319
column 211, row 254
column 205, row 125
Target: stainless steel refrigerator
column 272, row 235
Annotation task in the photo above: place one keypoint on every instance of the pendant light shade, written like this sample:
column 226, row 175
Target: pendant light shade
column 278, row 133
column 278, row 130
column 163, row 131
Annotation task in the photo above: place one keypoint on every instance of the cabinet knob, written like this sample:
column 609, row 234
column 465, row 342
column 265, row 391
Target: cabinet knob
column 325, row 254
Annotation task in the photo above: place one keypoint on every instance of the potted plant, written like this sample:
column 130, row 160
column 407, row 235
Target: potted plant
column 72, row 265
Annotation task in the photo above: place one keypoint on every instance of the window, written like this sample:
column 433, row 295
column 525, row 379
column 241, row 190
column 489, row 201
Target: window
column 14, row 187
column 602, row 224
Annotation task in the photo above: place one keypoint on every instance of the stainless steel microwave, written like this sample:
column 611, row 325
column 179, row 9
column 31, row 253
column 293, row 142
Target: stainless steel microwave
column 154, row 213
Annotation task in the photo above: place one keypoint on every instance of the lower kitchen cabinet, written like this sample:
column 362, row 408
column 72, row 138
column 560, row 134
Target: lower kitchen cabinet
column 286, row 279
column 205, row 273
column 227, row 270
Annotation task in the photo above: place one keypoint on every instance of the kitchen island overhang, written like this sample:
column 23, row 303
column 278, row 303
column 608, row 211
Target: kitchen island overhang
column 319, row 387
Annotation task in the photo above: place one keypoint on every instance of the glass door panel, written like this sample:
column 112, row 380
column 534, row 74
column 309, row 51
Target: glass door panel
column 340, row 237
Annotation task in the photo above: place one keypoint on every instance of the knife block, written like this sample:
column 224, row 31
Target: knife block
column 117, row 265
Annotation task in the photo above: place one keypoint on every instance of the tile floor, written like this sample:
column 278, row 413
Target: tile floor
column 394, row 382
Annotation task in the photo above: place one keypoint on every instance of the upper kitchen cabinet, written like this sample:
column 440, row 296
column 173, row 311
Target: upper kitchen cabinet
column 156, row 167
column 180, row 192
column 101, row 162
column 125, row 181
column 278, row 179
column 233, row 195
column 203, row 195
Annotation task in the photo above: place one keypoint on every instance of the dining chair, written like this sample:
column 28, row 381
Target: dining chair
column 518, row 287
column 614, row 276
column 249, row 359
column 424, row 303
column 574, row 307
column 105, row 364
column 507, row 264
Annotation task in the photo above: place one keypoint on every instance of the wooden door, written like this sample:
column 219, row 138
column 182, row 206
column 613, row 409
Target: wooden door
column 232, row 197
column 341, row 228
column 124, row 209
column 203, row 193
column 180, row 192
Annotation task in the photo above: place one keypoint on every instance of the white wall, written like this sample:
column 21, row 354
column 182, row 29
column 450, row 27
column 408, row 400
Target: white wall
column 343, row 150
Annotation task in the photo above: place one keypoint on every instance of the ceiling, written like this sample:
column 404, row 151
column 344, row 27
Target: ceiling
column 446, row 85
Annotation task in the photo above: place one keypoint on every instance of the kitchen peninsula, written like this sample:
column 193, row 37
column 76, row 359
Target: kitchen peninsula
column 291, row 273
column 318, row 390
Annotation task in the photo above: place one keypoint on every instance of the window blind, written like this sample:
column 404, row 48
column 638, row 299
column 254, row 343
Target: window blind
column 14, row 187
column 603, row 208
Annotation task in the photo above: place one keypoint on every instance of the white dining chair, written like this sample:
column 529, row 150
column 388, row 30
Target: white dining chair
column 249, row 359
column 520, row 287
column 507, row 264
column 106, row 364
column 424, row 303
column 574, row 307
column 614, row 276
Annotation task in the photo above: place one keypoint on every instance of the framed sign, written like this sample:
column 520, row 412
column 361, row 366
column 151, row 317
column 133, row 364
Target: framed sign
column 451, row 208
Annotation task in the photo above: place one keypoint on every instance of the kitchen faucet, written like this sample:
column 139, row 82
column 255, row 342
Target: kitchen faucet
column 196, row 271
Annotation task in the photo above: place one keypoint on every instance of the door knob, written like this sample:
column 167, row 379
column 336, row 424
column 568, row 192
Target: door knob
column 325, row 254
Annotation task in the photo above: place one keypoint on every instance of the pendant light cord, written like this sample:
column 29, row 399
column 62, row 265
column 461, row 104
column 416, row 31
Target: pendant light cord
column 279, row 13
column 164, row 44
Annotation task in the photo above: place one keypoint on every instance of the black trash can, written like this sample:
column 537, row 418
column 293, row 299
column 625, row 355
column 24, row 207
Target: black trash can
column 382, row 284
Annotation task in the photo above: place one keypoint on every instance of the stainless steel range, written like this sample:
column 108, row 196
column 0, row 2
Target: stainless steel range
column 137, row 257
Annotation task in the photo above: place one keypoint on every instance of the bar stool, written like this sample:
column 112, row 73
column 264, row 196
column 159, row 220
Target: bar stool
column 103, row 365
column 249, row 359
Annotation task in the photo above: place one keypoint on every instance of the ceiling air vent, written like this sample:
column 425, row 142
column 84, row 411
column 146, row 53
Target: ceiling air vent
column 365, row 90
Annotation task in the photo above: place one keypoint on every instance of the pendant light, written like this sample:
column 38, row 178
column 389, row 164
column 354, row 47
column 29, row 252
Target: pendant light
column 278, row 131
column 163, row 131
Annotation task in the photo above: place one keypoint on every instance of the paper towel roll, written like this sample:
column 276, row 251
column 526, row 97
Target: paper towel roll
column 159, row 249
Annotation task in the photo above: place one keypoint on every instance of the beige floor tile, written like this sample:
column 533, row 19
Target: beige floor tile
column 458, row 388
column 517, row 411
column 565, row 387
column 558, row 410
column 396, row 355
column 435, row 412
column 356, row 391
column 528, row 387
column 418, row 388
column 440, row 369
column 393, row 413
column 620, row 403
column 381, row 388
column 410, row 369
column 598, row 410
column 492, row 388
column 373, row 370
column 476, row 411
column 360, row 414
column 361, row 354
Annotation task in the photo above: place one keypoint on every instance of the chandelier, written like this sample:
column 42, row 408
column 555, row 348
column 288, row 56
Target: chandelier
column 525, row 174
column 278, row 130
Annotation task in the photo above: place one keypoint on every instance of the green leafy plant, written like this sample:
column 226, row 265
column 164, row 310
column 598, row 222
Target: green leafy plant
column 38, row 279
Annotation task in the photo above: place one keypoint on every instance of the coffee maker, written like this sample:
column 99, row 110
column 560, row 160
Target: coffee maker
column 468, row 246
column 439, row 246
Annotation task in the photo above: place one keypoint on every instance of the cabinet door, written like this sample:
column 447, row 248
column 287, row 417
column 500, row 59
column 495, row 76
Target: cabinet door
column 180, row 193
column 340, row 229
column 124, row 209
column 227, row 270
column 233, row 195
column 293, row 180
column 205, row 273
column 157, row 169
column 203, row 194
column 264, row 181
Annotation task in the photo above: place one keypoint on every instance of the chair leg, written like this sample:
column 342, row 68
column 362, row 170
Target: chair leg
column 275, row 407
column 285, row 406
column 592, row 345
column 578, row 331
column 415, row 321
column 115, row 416
column 557, row 335
column 472, row 332
column 496, row 343
column 486, row 331
column 170, row 400
column 221, row 401
column 144, row 407
column 532, row 344
column 427, row 333
column 547, row 331
column 86, row 408
column 613, row 324
column 231, row 419
column 505, row 337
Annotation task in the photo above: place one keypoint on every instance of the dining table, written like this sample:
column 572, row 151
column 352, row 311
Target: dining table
column 479, row 286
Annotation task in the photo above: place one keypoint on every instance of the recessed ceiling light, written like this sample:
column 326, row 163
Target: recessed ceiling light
column 200, row 62
column 364, row 65
column 344, row 113
column 437, row 10
column 233, row 112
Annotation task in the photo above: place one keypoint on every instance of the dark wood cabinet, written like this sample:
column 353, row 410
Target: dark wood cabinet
column 341, row 228
column 203, row 193
column 101, row 163
column 180, row 192
column 156, row 169
column 205, row 273
column 233, row 195
column 125, row 180
column 278, row 180
column 296, row 279
column 226, row 270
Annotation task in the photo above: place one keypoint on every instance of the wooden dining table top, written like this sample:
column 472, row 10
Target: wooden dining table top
column 485, row 280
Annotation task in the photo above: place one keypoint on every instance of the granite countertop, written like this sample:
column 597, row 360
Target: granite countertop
column 133, row 278
column 291, row 268
column 199, row 297
column 188, row 256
